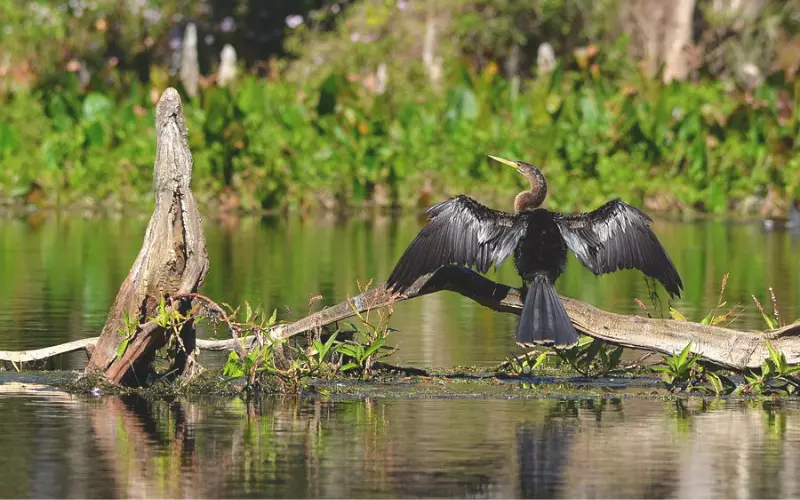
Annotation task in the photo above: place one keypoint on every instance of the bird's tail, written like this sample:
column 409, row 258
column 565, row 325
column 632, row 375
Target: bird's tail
column 544, row 319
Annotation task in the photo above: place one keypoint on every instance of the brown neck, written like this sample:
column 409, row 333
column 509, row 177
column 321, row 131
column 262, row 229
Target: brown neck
column 530, row 200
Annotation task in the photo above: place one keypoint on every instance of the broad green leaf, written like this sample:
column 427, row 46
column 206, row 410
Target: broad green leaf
column 232, row 366
column 122, row 347
column 328, row 93
column 374, row 347
column 677, row 315
column 95, row 134
column 540, row 359
column 273, row 318
column 684, row 355
column 716, row 383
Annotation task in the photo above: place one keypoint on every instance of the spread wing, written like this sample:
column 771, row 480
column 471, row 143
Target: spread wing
column 460, row 231
column 618, row 236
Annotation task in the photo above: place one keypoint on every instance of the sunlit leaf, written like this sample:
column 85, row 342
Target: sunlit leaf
column 677, row 315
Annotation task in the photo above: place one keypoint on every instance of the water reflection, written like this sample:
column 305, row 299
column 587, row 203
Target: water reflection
column 287, row 447
column 543, row 456
column 59, row 274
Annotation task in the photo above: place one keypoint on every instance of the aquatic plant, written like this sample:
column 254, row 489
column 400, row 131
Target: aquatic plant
column 713, row 318
column 775, row 376
column 292, row 364
column 524, row 364
column 680, row 371
column 591, row 357
column 369, row 344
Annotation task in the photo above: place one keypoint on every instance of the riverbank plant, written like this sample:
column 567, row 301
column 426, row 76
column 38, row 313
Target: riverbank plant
column 266, row 361
column 269, row 144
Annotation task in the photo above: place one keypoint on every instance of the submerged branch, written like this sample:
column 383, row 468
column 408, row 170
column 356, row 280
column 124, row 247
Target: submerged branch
column 726, row 347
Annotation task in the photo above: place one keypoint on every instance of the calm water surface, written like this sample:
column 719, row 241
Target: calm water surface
column 73, row 446
column 59, row 275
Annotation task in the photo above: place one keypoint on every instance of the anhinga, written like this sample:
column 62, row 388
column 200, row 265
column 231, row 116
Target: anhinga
column 462, row 231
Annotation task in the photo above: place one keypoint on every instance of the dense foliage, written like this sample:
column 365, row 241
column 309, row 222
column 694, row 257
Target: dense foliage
column 277, row 145
column 76, row 113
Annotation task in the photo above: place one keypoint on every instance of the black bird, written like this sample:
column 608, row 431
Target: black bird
column 462, row 231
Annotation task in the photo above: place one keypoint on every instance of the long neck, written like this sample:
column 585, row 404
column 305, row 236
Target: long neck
column 530, row 200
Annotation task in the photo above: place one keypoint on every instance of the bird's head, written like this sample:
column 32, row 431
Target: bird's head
column 527, row 200
column 522, row 167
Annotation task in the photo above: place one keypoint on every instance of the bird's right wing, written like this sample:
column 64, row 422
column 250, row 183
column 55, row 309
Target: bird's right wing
column 460, row 231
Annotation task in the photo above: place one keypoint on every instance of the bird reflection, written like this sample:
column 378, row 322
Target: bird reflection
column 544, row 452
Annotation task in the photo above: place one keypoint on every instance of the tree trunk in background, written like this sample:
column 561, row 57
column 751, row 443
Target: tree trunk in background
column 747, row 9
column 190, row 67
column 677, row 37
column 432, row 62
column 661, row 30
column 172, row 261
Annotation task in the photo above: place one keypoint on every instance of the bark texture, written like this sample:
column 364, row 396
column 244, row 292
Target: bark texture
column 661, row 31
column 172, row 259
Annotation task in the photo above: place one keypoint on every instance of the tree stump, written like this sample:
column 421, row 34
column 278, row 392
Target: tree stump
column 172, row 261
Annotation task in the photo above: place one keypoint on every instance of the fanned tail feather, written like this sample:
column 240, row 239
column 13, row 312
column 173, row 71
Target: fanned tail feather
column 544, row 319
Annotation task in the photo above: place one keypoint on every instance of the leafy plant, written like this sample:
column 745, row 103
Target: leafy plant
column 127, row 332
column 524, row 364
column 369, row 344
column 267, row 144
column 292, row 365
column 260, row 357
column 775, row 377
column 591, row 357
column 773, row 321
column 712, row 318
column 680, row 371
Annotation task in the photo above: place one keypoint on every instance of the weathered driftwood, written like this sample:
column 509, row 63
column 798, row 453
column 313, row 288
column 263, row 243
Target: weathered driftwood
column 172, row 260
column 88, row 344
column 726, row 347
column 723, row 346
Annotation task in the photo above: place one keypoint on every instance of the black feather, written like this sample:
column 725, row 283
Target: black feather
column 460, row 231
column 544, row 319
column 618, row 236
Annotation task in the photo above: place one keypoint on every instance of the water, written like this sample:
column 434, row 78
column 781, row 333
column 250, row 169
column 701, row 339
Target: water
column 71, row 446
column 59, row 274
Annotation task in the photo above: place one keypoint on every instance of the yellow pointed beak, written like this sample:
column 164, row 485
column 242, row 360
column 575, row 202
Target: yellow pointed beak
column 505, row 162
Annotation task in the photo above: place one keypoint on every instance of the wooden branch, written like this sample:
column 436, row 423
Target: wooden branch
column 172, row 259
column 726, row 347
column 88, row 343
column 47, row 352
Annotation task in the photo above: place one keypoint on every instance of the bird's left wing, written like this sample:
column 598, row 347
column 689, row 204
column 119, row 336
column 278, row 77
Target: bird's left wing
column 460, row 231
column 618, row 236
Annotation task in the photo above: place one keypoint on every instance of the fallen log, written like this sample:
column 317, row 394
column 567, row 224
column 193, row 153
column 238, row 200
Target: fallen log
column 728, row 348
column 172, row 261
column 734, row 349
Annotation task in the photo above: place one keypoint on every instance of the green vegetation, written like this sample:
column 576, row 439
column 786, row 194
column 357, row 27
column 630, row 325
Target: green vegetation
column 312, row 128
column 683, row 372
column 680, row 370
column 268, row 145
column 289, row 365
